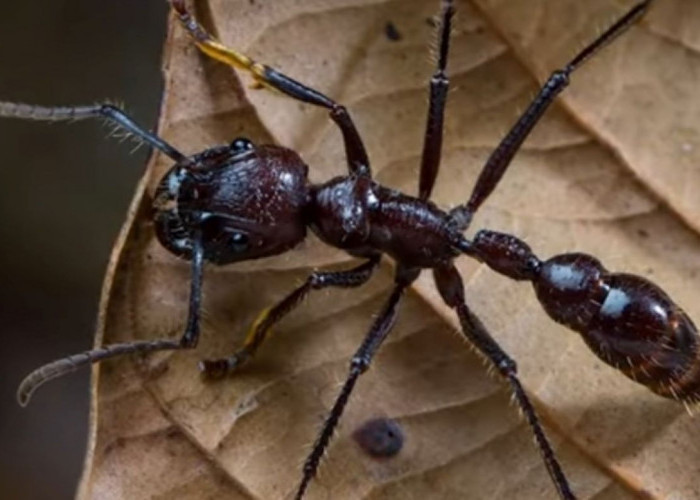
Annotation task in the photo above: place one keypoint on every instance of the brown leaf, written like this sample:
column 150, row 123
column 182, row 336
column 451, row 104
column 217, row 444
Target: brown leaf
column 611, row 171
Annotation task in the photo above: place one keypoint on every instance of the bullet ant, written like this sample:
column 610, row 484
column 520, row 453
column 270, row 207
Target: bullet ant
column 245, row 201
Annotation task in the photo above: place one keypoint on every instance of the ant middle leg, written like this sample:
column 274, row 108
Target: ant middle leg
column 260, row 328
column 188, row 340
column 451, row 288
column 358, row 161
column 358, row 365
column 439, row 84
column 500, row 159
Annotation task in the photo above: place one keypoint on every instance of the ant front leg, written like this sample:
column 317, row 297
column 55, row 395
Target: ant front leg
column 188, row 340
column 269, row 317
column 451, row 288
column 358, row 162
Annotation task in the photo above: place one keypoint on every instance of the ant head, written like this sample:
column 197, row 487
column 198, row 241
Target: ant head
column 246, row 201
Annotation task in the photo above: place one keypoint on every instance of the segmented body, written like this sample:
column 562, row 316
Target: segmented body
column 626, row 320
column 240, row 202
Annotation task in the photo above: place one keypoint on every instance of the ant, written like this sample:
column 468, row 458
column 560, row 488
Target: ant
column 245, row 201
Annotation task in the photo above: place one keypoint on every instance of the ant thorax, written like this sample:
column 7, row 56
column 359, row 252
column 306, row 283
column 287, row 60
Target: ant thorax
column 359, row 215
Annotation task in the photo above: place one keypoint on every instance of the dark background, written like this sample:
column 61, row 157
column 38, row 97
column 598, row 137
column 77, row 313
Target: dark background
column 64, row 191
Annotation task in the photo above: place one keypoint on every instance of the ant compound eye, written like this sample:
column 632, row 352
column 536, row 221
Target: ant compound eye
column 239, row 242
column 241, row 145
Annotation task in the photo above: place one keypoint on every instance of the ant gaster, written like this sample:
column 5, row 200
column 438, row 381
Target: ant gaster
column 243, row 201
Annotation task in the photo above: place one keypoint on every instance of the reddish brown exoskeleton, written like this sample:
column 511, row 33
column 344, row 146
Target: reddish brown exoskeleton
column 243, row 201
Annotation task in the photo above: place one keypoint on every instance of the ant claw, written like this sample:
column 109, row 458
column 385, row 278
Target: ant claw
column 215, row 369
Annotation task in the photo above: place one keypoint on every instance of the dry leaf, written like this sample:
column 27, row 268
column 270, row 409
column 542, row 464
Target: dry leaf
column 611, row 170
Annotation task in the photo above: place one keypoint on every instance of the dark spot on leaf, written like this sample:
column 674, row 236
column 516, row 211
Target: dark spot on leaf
column 380, row 437
column 391, row 32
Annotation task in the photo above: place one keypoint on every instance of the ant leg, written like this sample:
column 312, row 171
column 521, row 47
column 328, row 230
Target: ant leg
column 358, row 162
column 501, row 157
column 439, row 83
column 359, row 364
column 451, row 288
column 107, row 111
column 70, row 364
column 269, row 317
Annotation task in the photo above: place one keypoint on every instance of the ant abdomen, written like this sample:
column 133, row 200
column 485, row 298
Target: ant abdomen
column 626, row 320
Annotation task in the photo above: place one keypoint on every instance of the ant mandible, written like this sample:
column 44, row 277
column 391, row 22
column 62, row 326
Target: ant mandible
column 243, row 201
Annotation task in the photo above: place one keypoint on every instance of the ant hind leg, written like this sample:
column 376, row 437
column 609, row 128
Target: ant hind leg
column 451, row 288
column 500, row 159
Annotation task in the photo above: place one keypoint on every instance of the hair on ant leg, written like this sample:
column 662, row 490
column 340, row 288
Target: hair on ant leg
column 245, row 201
